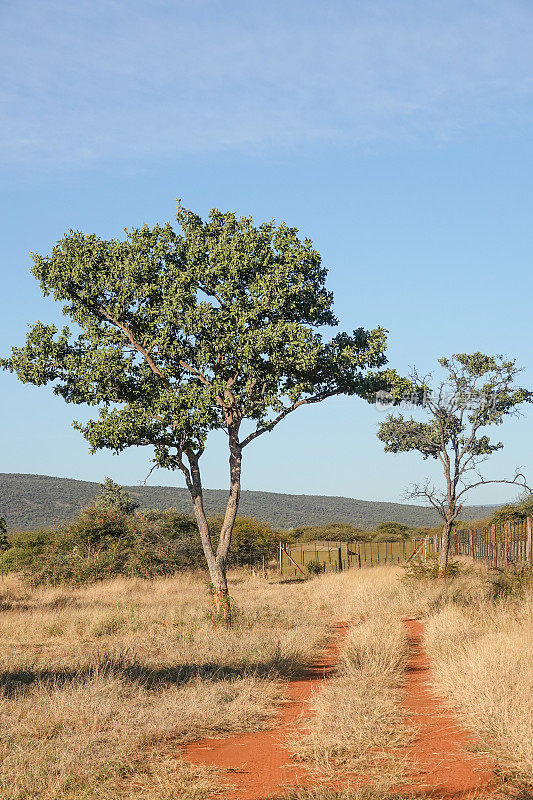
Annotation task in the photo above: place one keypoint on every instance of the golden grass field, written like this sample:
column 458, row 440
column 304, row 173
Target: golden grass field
column 100, row 684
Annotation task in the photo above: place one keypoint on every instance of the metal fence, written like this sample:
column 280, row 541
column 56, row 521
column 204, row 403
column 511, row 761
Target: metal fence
column 494, row 545
column 295, row 559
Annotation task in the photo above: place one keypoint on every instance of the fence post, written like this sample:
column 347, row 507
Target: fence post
column 506, row 541
column 529, row 540
column 471, row 543
column 493, row 545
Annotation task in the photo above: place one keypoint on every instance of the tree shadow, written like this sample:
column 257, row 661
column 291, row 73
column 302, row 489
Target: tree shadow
column 130, row 671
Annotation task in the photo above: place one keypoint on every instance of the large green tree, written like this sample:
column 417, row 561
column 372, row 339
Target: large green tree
column 477, row 392
column 178, row 333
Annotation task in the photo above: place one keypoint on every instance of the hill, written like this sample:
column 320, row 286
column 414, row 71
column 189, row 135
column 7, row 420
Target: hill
column 33, row 501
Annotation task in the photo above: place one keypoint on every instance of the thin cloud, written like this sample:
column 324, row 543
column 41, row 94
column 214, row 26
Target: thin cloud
column 99, row 80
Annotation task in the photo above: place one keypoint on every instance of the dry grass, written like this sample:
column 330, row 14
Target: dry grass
column 483, row 662
column 355, row 723
column 98, row 685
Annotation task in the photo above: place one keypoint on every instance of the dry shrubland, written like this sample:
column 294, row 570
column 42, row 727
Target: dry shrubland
column 100, row 684
column 483, row 663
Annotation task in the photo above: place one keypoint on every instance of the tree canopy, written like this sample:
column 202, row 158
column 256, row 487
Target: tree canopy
column 112, row 495
column 180, row 333
column 478, row 392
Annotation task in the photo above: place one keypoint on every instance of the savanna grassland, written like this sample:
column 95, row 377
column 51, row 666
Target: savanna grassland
column 100, row 684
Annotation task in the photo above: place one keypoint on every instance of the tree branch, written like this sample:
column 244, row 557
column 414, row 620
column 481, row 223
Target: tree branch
column 268, row 427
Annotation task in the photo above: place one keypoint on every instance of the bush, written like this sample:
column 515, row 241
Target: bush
column 392, row 532
column 104, row 542
column 334, row 532
column 417, row 570
column 315, row 567
column 510, row 582
column 251, row 541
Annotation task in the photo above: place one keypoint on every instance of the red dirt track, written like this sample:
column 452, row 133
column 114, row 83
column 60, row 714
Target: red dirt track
column 444, row 767
column 259, row 765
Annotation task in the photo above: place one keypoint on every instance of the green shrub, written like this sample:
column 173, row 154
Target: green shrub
column 392, row 532
column 417, row 569
column 104, row 542
column 251, row 541
column 510, row 582
column 315, row 567
column 334, row 532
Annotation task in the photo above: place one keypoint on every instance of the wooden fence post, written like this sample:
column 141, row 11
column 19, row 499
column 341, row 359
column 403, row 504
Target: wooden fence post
column 529, row 540
column 493, row 545
column 507, row 541
column 471, row 543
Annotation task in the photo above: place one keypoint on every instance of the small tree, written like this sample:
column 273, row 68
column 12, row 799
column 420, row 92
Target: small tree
column 477, row 392
column 392, row 531
column 112, row 495
column 506, row 513
column 216, row 328
column 4, row 544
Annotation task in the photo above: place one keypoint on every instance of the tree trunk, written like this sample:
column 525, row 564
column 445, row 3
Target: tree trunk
column 215, row 565
column 216, row 562
column 445, row 548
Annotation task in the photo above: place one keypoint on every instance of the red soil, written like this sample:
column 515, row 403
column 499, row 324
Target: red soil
column 440, row 752
column 259, row 765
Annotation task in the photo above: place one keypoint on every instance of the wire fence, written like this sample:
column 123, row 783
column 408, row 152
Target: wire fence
column 494, row 545
column 298, row 560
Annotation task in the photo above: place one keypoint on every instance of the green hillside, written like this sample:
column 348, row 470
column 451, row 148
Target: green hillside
column 32, row 501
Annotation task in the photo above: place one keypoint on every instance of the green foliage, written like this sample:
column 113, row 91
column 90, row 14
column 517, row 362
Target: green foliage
column 333, row 532
column 252, row 540
column 418, row 570
column 113, row 495
column 172, row 322
column 392, row 532
column 507, row 513
column 315, row 567
column 3, row 534
column 510, row 582
column 104, row 542
column 525, row 505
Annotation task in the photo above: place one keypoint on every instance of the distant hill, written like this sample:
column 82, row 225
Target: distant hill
column 33, row 501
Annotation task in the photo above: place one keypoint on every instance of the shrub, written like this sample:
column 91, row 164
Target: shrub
column 334, row 532
column 392, row 532
column 510, row 582
column 104, row 542
column 251, row 540
column 315, row 567
column 417, row 570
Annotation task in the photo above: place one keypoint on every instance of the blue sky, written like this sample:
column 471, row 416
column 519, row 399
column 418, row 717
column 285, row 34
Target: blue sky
column 396, row 135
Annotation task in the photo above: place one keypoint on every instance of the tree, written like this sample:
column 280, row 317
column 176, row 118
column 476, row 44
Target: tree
column 112, row 495
column 477, row 392
column 387, row 531
column 506, row 513
column 4, row 544
column 525, row 505
column 179, row 334
column 252, row 539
